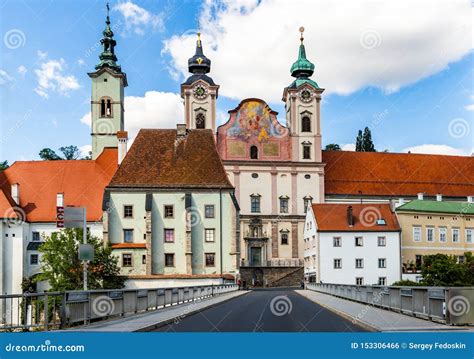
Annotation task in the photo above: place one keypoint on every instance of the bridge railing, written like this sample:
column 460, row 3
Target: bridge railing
column 450, row 305
column 47, row 311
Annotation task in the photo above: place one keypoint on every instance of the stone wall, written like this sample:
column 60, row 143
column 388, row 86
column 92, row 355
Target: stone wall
column 272, row 276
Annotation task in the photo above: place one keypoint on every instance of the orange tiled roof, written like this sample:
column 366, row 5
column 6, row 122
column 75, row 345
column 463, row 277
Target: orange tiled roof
column 397, row 174
column 333, row 217
column 81, row 181
column 158, row 159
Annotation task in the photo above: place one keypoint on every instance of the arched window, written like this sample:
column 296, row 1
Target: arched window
column 200, row 121
column 254, row 152
column 305, row 124
column 105, row 107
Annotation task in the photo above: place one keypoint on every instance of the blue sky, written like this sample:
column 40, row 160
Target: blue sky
column 412, row 84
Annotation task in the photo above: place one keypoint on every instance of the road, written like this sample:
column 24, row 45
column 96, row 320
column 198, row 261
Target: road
column 273, row 310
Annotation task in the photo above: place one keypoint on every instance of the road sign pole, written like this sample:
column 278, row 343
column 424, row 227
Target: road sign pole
column 84, row 241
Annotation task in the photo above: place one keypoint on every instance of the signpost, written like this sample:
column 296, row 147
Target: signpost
column 75, row 217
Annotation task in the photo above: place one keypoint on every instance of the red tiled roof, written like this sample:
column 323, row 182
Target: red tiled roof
column 158, row 159
column 333, row 217
column 129, row 246
column 81, row 181
column 397, row 174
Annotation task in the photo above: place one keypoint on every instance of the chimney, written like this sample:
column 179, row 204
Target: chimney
column 16, row 193
column 470, row 199
column 60, row 200
column 350, row 216
column 401, row 201
column 420, row 196
column 181, row 131
column 122, row 137
column 439, row 197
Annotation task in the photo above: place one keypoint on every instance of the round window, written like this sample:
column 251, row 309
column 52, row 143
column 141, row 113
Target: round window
column 254, row 175
column 307, row 176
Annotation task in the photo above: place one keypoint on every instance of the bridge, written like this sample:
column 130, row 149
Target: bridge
column 226, row 308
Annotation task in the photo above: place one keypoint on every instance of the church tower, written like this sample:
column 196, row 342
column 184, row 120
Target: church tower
column 199, row 92
column 107, row 102
column 303, row 115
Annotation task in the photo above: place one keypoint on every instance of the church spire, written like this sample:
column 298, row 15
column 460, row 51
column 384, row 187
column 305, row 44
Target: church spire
column 107, row 57
column 302, row 68
column 199, row 64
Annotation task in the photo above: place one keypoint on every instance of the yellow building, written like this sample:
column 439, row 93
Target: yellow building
column 431, row 227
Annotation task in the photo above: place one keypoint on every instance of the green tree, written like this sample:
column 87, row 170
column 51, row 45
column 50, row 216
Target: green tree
column 62, row 268
column 69, row 153
column 332, row 147
column 47, row 154
column 367, row 144
column 3, row 165
column 444, row 270
column 359, row 142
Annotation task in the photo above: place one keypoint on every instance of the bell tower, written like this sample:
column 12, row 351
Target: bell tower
column 303, row 113
column 107, row 101
column 199, row 92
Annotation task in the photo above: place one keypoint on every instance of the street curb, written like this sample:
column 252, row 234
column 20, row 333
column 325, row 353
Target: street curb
column 149, row 328
column 354, row 320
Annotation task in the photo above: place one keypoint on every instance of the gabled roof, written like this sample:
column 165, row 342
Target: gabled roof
column 437, row 207
column 157, row 159
column 333, row 217
column 81, row 181
column 397, row 174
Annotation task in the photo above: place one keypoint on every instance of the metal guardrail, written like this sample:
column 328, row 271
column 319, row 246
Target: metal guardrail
column 450, row 305
column 291, row 262
column 46, row 311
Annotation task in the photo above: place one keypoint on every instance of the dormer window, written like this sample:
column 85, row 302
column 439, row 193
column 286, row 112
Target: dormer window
column 105, row 107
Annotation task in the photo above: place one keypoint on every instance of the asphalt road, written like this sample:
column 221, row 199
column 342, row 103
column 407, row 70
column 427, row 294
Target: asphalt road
column 280, row 310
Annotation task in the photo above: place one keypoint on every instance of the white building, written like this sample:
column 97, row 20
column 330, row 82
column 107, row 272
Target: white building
column 352, row 244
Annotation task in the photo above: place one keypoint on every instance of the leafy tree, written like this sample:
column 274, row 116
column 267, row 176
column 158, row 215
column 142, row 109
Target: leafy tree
column 69, row 153
column 3, row 165
column 359, row 140
column 333, row 147
column 47, row 154
column 406, row 283
column 62, row 268
column 367, row 144
column 444, row 270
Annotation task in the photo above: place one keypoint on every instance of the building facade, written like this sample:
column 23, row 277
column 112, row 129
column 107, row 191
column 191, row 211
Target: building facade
column 432, row 227
column 170, row 211
column 352, row 244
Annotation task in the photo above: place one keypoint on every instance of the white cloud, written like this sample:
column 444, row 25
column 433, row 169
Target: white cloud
column 469, row 107
column 5, row 78
column 42, row 54
column 154, row 110
column 81, row 62
column 51, row 77
column 137, row 19
column 436, row 150
column 353, row 44
column 348, row 147
column 22, row 70
column 85, row 150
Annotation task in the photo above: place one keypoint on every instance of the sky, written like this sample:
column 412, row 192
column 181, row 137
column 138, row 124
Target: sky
column 403, row 68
